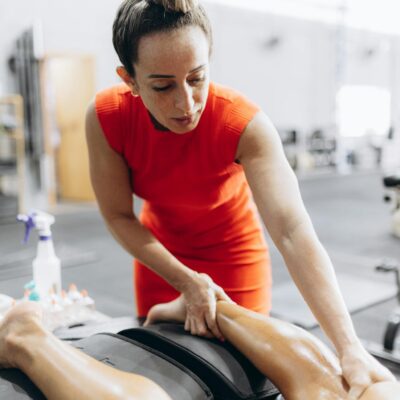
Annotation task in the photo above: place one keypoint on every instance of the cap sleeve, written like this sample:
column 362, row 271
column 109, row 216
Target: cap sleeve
column 108, row 110
column 238, row 115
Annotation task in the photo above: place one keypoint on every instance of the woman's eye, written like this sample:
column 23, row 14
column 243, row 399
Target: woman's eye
column 161, row 88
column 196, row 80
column 193, row 81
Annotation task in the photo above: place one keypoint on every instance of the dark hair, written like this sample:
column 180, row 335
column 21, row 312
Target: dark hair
column 137, row 18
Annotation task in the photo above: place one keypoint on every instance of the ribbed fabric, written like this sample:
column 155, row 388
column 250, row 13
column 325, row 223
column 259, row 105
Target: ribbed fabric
column 197, row 202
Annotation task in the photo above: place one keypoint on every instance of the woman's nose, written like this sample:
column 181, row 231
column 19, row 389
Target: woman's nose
column 184, row 100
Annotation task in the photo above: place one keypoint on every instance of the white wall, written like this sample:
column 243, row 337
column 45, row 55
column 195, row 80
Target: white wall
column 296, row 81
column 68, row 26
column 292, row 81
column 395, row 79
column 393, row 147
column 368, row 59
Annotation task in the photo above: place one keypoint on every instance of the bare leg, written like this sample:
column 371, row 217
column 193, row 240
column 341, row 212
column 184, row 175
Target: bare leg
column 175, row 311
column 59, row 370
column 300, row 365
column 296, row 362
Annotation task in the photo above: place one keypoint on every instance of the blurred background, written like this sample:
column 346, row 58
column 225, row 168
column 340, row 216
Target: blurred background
column 327, row 72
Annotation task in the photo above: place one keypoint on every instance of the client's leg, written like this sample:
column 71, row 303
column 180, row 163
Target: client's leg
column 60, row 371
column 295, row 361
column 300, row 365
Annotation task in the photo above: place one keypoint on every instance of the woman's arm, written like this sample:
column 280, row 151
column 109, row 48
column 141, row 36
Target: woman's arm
column 111, row 183
column 276, row 193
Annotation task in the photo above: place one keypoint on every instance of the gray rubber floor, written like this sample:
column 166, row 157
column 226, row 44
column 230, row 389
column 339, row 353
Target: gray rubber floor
column 348, row 213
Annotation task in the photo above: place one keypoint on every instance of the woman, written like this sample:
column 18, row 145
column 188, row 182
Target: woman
column 295, row 361
column 197, row 153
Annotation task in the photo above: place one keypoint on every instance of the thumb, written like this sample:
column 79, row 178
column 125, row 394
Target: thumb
column 221, row 295
column 149, row 318
column 357, row 389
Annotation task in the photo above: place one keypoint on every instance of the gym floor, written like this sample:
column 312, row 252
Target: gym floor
column 348, row 213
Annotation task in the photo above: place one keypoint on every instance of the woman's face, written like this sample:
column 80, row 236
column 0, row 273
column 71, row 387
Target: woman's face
column 172, row 77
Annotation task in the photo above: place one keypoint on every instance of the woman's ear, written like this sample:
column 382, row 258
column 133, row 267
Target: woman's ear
column 124, row 75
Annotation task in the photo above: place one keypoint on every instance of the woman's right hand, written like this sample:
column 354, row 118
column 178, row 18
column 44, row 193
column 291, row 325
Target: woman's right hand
column 201, row 295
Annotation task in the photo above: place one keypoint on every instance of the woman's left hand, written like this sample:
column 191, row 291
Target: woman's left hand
column 361, row 370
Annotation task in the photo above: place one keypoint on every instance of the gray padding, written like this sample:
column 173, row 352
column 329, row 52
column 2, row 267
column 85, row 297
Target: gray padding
column 14, row 385
column 125, row 355
column 224, row 369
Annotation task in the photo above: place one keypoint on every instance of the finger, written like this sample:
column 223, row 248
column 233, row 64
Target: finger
column 221, row 295
column 358, row 386
column 199, row 327
column 214, row 329
column 356, row 392
column 384, row 375
column 149, row 318
column 210, row 319
column 187, row 323
column 208, row 335
column 194, row 326
column 191, row 325
column 206, row 277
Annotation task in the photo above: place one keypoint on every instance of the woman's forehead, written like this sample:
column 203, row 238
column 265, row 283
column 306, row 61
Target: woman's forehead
column 165, row 52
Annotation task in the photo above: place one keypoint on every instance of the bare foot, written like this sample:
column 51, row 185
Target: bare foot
column 175, row 311
column 21, row 321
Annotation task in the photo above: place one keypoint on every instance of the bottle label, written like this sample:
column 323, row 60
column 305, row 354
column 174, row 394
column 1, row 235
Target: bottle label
column 44, row 238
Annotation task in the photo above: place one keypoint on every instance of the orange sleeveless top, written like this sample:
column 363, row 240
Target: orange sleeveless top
column 197, row 202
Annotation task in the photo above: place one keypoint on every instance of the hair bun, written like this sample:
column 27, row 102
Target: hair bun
column 183, row 6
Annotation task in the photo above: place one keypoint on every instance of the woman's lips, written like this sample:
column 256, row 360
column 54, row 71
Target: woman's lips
column 184, row 120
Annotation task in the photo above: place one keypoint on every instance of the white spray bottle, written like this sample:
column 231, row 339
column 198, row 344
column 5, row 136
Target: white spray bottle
column 46, row 265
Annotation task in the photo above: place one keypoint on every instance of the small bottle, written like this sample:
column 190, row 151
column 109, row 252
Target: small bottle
column 86, row 300
column 55, row 306
column 34, row 295
column 54, row 297
column 27, row 292
column 46, row 265
column 30, row 292
column 73, row 293
column 53, row 315
column 65, row 300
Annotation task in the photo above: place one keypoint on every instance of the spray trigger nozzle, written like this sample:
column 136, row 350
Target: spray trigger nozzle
column 29, row 224
column 39, row 220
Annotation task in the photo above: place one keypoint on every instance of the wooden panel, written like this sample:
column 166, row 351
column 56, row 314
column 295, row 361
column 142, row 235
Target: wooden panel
column 16, row 135
column 72, row 86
